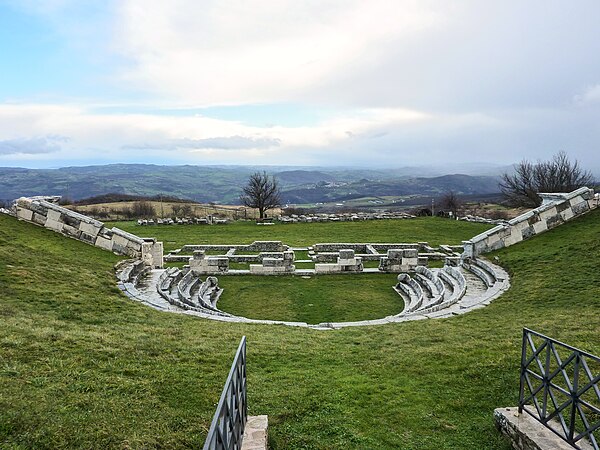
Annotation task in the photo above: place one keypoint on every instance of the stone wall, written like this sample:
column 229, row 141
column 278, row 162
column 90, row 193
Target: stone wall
column 555, row 210
column 40, row 211
column 347, row 262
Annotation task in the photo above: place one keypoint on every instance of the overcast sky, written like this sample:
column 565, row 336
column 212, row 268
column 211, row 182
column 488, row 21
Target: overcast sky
column 373, row 82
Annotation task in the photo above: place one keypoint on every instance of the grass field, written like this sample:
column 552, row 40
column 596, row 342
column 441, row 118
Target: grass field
column 433, row 230
column 82, row 366
column 323, row 298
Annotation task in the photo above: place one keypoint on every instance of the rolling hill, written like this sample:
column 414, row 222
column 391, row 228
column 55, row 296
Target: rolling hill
column 223, row 184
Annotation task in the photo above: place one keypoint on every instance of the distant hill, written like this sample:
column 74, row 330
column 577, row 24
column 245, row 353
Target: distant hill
column 295, row 177
column 223, row 184
column 430, row 187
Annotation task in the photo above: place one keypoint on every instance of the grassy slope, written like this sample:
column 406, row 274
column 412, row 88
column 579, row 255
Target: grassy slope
column 433, row 230
column 81, row 366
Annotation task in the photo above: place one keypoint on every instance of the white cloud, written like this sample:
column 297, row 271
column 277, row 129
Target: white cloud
column 589, row 96
column 93, row 135
column 31, row 146
column 231, row 52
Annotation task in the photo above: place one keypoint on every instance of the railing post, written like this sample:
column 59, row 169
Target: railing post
column 574, row 397
column 523, row 369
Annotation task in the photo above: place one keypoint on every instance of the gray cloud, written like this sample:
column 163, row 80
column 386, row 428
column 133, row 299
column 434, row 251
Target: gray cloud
column 220, row 143
column 32, row 146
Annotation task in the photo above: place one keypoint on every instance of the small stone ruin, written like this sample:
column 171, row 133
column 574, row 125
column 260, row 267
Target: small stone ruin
column 400, row 260
column 347, row 262
column 277, row 264
column 201, row 264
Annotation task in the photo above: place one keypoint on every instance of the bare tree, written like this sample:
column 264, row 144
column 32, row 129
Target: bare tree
column 143, row 209
column 450, row 201
column 262, row 192
column 557, row 175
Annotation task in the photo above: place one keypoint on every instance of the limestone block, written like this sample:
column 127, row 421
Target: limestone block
column 272, row 262
column 157, row 252
column 576, row 200
column 540, row 227
column 288, row 256
column 545, row 215
column 39, row 218
column 89, row 229
column 511, row 240
column 580, row 208
column 521, row 225
column 567, row 214
column 217, row 261
column 104, row 243
column 136, row 246
column 409, row 261
column 71, row 231
column 120, row 241
column 493, row 239
column 325, row 268
column 422, row 261
column 349, row 262
column 54, row 215
column 25, row 214
column 53, row 225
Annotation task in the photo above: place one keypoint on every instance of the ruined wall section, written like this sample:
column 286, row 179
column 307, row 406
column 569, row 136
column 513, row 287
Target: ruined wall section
column 39, row 211
column 555, row 210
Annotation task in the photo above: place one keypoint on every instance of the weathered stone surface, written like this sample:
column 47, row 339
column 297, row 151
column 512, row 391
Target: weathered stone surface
column 54, row 215
column 104, row 243
column 346, row 254
column 256, row 433
column 71, row 231
column 89, row 229
column 526, row 433
column 54, row 225
column 39, row 218
column 25, row 214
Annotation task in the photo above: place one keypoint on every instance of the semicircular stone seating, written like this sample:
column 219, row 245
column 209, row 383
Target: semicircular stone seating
column 456, row 288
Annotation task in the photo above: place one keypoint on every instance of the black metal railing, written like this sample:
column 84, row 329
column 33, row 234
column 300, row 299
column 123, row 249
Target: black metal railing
column 560, row 388
column 227, row 427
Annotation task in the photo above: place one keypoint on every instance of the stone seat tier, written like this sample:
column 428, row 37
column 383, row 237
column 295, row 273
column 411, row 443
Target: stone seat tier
column 456, row 280
column 411, row 292
column 435, row 297
column 481, row 270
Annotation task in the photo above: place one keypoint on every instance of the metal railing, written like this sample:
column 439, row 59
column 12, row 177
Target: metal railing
column 559, row 389
column 227, row 427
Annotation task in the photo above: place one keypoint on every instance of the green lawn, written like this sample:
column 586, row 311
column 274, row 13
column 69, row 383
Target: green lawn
column 434, row 230
column 83, row 366
column 322, row 298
